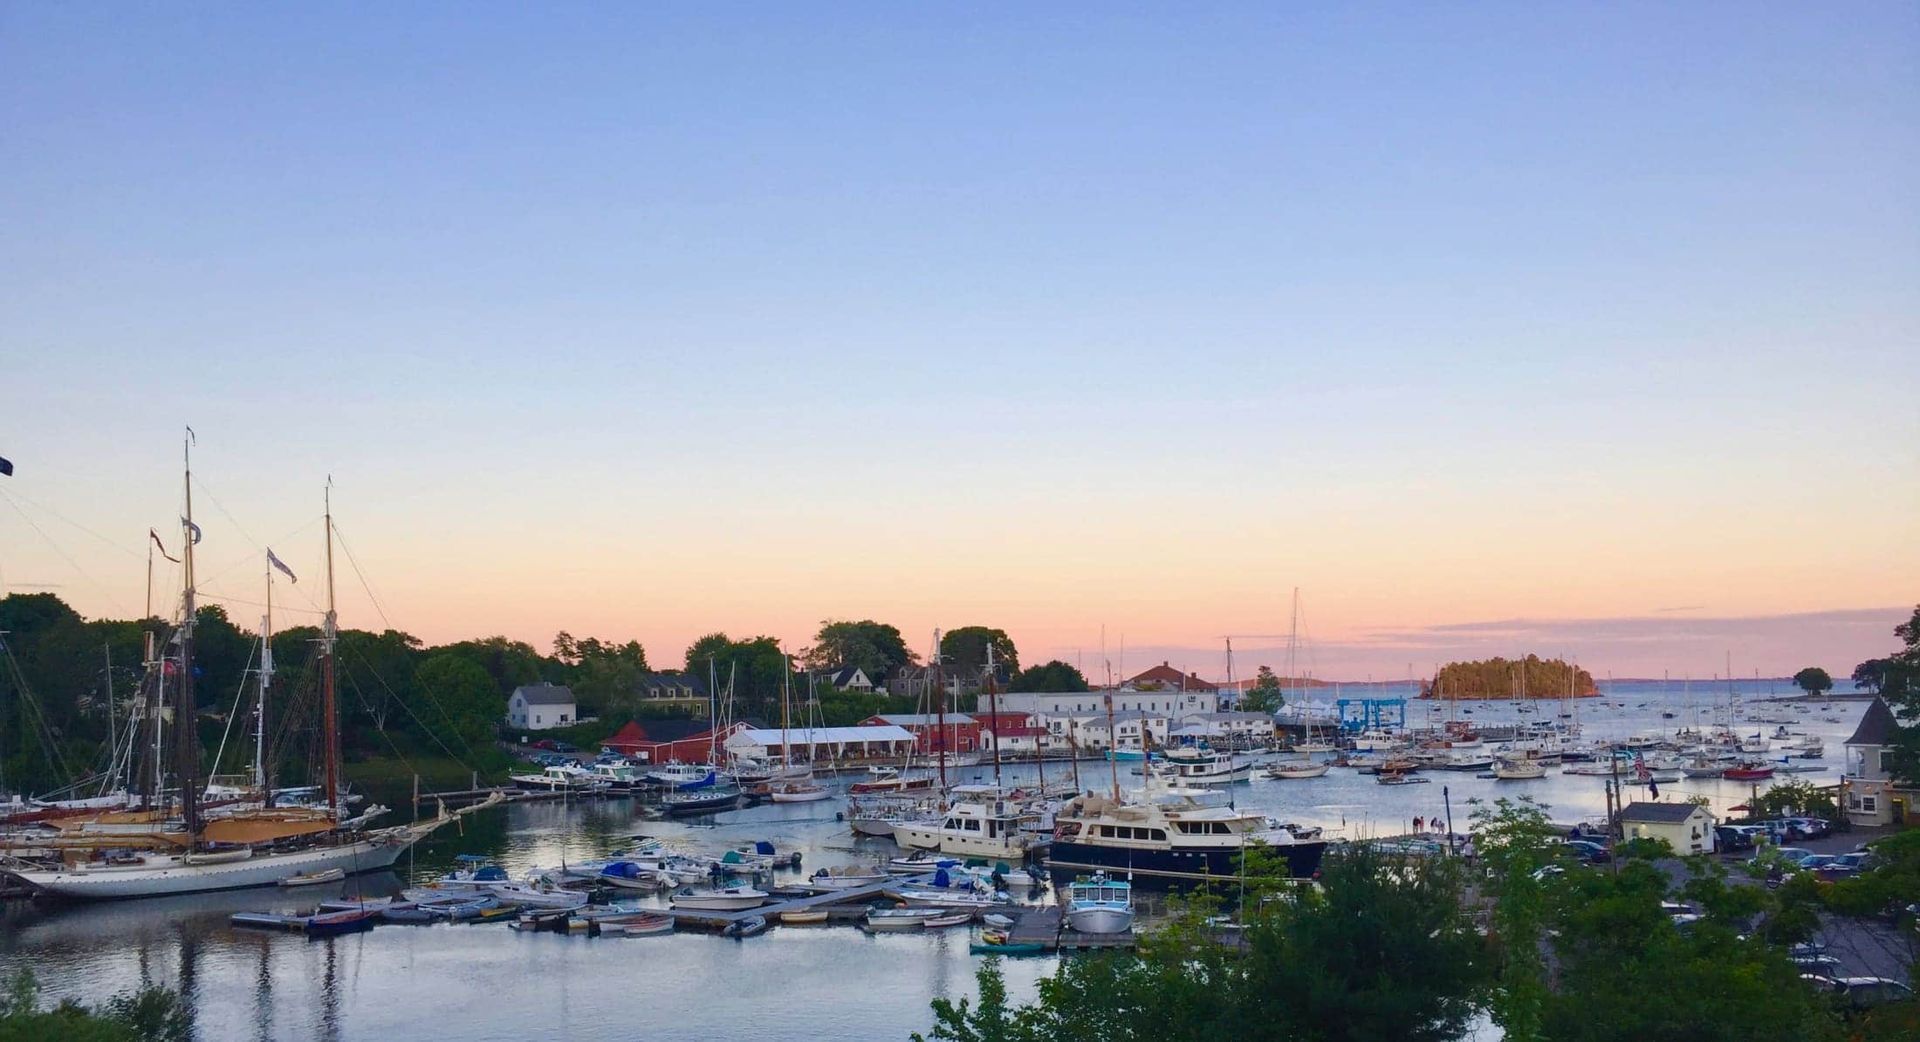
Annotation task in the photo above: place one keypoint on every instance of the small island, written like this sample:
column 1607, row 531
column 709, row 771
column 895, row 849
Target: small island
column 1495, row 678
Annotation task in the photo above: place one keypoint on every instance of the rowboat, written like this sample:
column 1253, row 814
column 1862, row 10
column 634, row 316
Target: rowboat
column 803, row 917
column 330, row 875
column 641, row 926
column 893, row 920
column 732, row 899
column 943, row 921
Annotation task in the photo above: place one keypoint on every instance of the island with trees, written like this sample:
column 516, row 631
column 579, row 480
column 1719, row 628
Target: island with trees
column 1499, row 678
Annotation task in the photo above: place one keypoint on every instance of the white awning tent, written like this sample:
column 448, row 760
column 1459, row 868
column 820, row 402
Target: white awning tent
column 820, row 743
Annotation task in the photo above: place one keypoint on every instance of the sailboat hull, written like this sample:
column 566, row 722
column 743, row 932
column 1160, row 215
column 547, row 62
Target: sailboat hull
column 169, row 874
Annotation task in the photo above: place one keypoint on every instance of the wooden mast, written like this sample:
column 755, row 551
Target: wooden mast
column 186, row 738
column 329, row 713
column 993, row 713
column 940, row 710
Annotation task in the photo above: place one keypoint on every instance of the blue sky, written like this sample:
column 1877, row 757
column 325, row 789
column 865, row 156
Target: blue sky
column 661, row 319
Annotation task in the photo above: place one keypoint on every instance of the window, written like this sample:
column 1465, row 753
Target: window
column 1869, row 804
column 1157, row 835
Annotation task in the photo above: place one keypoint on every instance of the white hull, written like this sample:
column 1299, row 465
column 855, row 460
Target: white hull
column 1100, row 920
column 1296, row 771
column 929, row 835
column 799, row 795
column 719, row 902
column 168, row 874
column 873, row 826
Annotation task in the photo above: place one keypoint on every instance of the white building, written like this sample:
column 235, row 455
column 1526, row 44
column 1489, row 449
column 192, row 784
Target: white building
column 1078, row 704
column 1871, row 796
column 1687, row 827
column 1089, row 731
column 539, row 707
column 1255, row 728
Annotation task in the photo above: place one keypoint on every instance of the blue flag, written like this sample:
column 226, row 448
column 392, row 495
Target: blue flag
column 282, row 565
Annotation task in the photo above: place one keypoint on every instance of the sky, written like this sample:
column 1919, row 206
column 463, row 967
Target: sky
column 1581, row 330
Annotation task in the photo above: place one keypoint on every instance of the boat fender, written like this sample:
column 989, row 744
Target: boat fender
column 795, row 859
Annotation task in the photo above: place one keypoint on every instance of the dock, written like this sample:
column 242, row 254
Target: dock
column 1047, row 927
column 853, row 896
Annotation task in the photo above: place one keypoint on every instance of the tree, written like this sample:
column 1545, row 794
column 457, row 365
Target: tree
column 1381, row 950
column 756, row 667
column 1871, row 674
column 1266, row 694
column 1513, row 839
column 965, row 651
column 464, row 694
column 875, row 647
column 1053, row 676
column 1813, row 680
column 150, row 1015
column 1900, row 686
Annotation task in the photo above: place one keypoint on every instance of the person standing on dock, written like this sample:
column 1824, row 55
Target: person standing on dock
column 1419, row 825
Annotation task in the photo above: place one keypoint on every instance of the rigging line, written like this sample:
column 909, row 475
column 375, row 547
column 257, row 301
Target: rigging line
column 75, row 565
column 222, row 599
column 221, row 751
column 57, row 515
column 364, row 584
column 428, row 695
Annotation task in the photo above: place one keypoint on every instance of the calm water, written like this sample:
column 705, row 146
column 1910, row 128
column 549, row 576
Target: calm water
column 488, row 982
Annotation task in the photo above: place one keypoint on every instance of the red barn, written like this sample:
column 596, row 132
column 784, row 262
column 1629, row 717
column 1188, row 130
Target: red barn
column 1012, row 732
column 962, row 730
column 667, row 741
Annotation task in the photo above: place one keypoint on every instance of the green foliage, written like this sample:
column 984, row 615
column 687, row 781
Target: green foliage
column 1503, row 678
column 1892, row 882
column 965, row 652
column 149, row 1015
column 1514, row 840
column 756, row 667
column 466, row 696
column 1382, row 951
column 1625, row 971
column 1794, row 799
column 1266, row 695
column 1871, row 674
column 1900, row 686
column 1813, row 680
column 604, row 676
column 875, row 647
column 847, row 708
column 1052, row 676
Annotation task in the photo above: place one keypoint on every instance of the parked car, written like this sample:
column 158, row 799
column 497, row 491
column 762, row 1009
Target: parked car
column 1590, row 852
column 545, row 743
column 1816, row 862
column 1823, row 965
column 564, row 747
column 1864, row 992
column 1733, row 837
column 1806, row 948
column 1813, row 828
column 1791, row 855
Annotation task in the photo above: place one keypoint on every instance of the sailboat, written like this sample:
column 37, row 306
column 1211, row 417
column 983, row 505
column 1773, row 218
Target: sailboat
column 260, row 848
column 801, row 789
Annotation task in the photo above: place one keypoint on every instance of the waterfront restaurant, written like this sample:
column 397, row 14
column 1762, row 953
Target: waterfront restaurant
column 818, row 744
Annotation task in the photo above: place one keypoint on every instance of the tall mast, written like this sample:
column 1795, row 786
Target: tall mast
column 786, row 692
column 186, row 737
column 713, row 715
column 260, row 707
column 329, row 713
column 940, row 710
column 1113, row 749
column 993, row 713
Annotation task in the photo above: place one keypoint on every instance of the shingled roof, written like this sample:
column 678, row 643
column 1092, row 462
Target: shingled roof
column 1877, row 725
column 545, row 694
column 1670, row 813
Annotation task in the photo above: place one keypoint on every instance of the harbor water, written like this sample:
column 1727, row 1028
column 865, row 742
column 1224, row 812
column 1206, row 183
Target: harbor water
column 480, row 983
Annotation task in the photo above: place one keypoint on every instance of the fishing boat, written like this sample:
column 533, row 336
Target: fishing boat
column 1748, row 770
column 731, row 899
column 558, row 778
column 326, row 875
column 1295, row 770
column 1202, row 767
column 683, row 777
column 1100, row 905
column 982, row 822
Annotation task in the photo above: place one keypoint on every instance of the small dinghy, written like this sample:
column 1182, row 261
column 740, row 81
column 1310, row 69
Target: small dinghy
column 751, row 926
column 997, row 942
column 896, row 920
column 732, row 899
column 803, row 917
column 331, row 875
column 641, row 926
column 940, row 922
